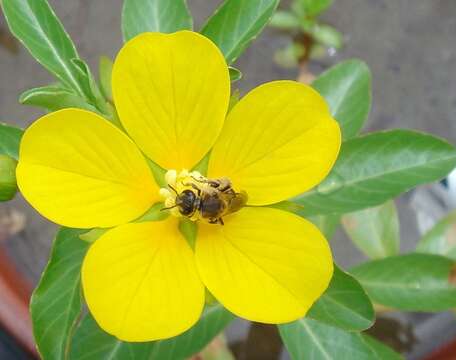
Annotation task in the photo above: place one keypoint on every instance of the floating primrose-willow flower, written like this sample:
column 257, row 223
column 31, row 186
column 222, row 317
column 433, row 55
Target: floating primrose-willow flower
column 142, row 281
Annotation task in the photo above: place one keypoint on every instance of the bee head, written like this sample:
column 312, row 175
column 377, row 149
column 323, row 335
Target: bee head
column 186, row 202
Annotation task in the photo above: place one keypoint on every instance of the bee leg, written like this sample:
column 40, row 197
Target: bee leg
column 224, row 185
column 202, row 181
column 220, row 221
column 229, row 190
column 213, row 221
column 213, row 183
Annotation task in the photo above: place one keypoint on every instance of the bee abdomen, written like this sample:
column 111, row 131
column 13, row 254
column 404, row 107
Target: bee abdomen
column 211, row 206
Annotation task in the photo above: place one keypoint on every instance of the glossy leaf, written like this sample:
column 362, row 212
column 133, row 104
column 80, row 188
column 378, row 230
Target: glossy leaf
column 104, row 346
column 381, row 351
column 374, row 168
column 412, row 282
column 441, row 239
column 10, row 137
column 35, row 24
column 313, row 340
column 54, row 98
column 164, row 16
column 56, row 303
column 344, row 304
column 236, row 23
column 375, row 231
column 347, row 89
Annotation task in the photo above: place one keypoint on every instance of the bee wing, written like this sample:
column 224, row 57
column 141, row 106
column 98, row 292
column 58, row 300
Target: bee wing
column 235, row 201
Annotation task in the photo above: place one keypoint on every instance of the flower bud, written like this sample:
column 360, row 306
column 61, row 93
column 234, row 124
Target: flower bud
column 8, row 185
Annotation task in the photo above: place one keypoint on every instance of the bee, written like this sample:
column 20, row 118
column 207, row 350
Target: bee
column 213, row 200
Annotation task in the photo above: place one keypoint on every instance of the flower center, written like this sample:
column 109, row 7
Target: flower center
column 196, row 197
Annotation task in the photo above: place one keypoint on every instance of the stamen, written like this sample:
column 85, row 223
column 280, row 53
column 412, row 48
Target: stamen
column 165, row 193
column 170, row 177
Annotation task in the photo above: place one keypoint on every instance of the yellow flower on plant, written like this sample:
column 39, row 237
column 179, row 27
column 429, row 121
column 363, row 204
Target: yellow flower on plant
column 142, row 281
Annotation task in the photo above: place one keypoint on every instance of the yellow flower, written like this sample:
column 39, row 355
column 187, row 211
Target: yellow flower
column 142, row 281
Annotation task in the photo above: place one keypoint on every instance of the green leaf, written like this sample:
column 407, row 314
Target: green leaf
column 90, row 342
column 105, row 74
column 347, row 89
column 307, row 24
column 284, row 20
column 54, row 98
column 214, row 319
column 10, row 138
column 327, row 224
column 8, row 185
column 375, row 231
column 318, row 52
column 235, row 74
column 164, row 16
column 92, row 235
column 290, row 55
column 374, row 168
column 217, row 350
column 312, row 340
column 56, row 303
column 381, row 351
column 35, row 24
column 91, row 87
column 327, row 36
column 96, row 98
column 236, row 23
column 412, row 282
column 344, row 304
column 315, row 7
column 441, row 239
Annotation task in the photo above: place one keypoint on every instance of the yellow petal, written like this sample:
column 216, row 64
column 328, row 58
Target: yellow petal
column 140, row 282
column 277, row 142
column 264, row 264
column 78, row 170
column 172, row 94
